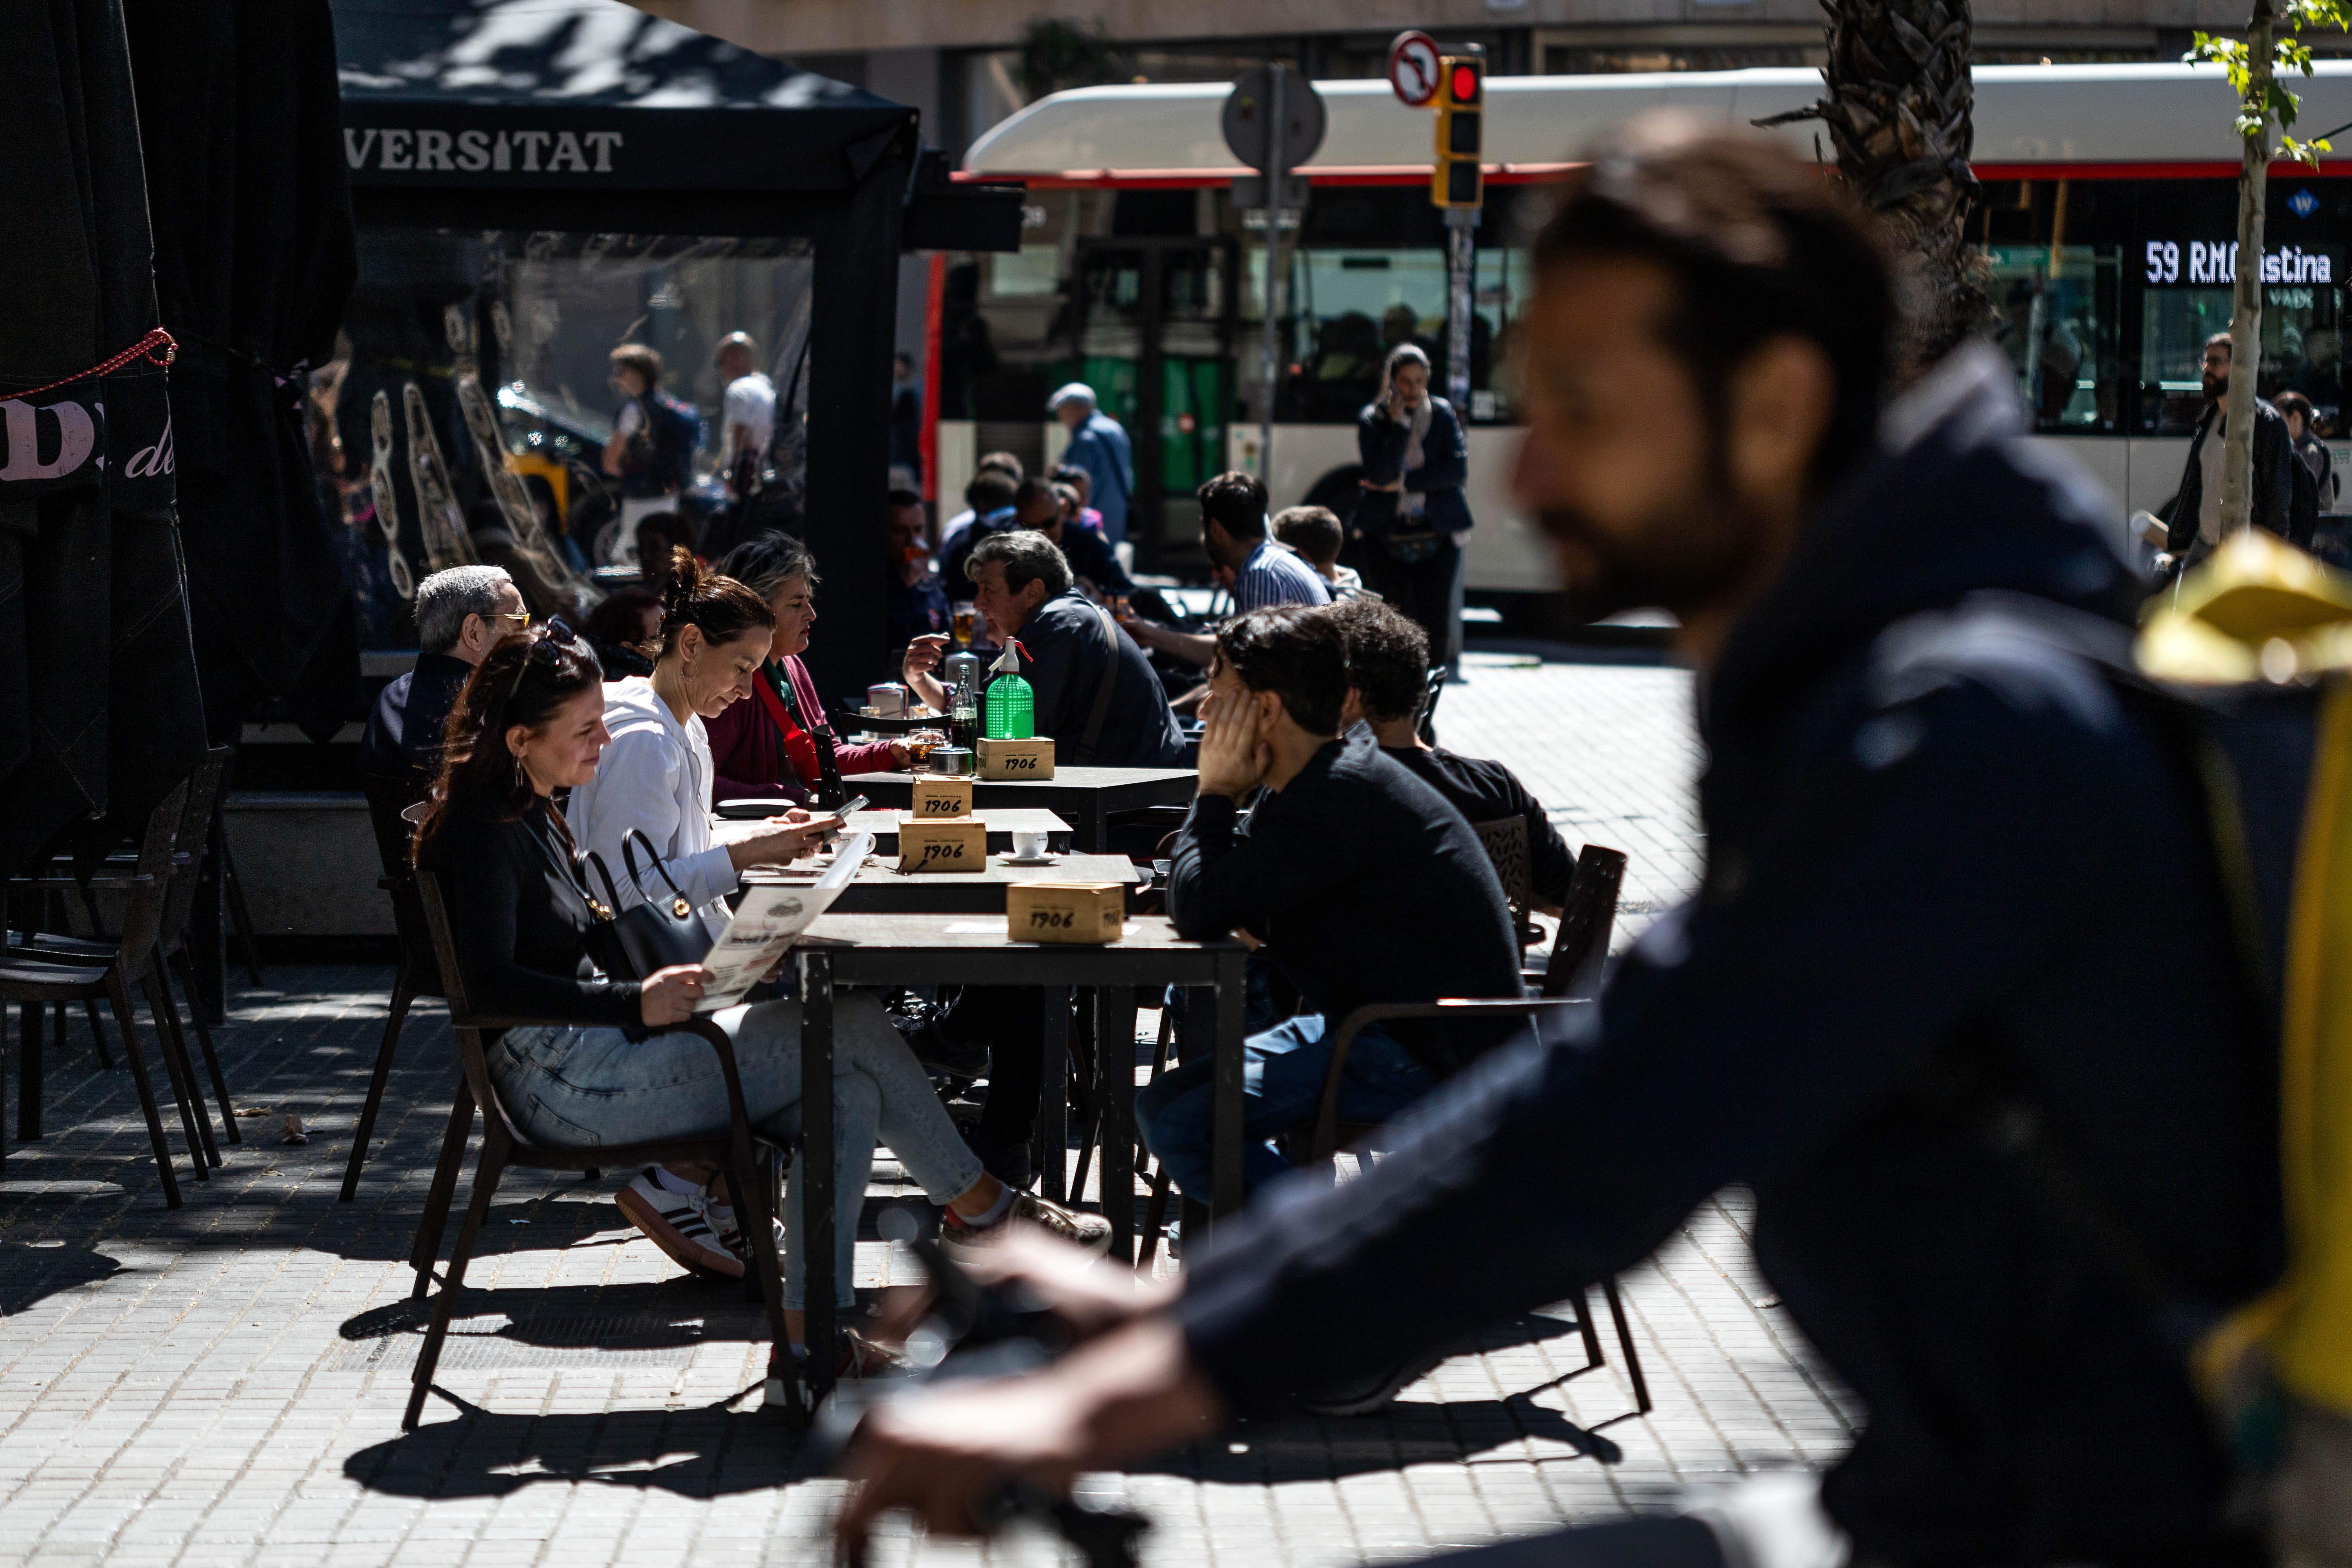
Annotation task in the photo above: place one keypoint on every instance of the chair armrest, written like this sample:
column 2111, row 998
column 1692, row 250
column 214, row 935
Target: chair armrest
column 1327, row 1110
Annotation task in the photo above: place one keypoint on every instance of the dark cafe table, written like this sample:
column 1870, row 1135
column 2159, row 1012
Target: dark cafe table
column 1089, row 797
column 881, row 889
column 950, row 949
column 1002, row 823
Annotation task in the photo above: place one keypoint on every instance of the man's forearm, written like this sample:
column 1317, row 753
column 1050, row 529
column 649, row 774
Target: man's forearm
column 1193, row 647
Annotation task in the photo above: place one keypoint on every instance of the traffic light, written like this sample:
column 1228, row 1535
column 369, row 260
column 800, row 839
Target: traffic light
column 1457, row 180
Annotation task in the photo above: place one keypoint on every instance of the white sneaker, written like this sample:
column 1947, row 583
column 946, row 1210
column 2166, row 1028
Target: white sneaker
column 678, row 1223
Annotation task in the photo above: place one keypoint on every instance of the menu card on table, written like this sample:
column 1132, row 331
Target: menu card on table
column 771, row 915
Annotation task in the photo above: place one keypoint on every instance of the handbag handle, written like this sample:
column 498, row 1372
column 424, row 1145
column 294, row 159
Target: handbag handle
column 606, row 911
column 629, row 842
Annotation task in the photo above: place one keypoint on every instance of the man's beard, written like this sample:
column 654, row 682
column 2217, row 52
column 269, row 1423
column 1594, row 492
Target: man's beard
column 1687, row 552
column 2215, row 386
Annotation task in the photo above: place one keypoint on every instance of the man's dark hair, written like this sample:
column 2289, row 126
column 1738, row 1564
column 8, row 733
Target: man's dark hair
column 1296, row 652
column 2225, row 340
column 1312, row 530
column 641, row 358
column 1758, row 244
column 904, row 498
column 1001, row 462
column 990, row 490
column 1388, row 657
column 1034, row 491
column 1028, row 556
column 1236, row 500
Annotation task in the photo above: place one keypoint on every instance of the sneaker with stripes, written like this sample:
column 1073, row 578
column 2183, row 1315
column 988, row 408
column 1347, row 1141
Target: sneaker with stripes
column 678, row 1223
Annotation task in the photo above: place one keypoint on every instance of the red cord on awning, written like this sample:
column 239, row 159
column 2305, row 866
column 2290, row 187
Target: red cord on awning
column 145, row 348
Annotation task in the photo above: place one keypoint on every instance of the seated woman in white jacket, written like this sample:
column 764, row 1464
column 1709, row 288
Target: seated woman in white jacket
column 655, row 776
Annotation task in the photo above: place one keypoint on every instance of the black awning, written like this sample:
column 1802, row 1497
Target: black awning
column 588, row 95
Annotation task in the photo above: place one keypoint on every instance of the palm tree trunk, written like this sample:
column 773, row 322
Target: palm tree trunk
column 2246, row 301
column 1898, row 109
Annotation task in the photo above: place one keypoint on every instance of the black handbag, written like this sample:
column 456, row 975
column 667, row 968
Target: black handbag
column 657, row 933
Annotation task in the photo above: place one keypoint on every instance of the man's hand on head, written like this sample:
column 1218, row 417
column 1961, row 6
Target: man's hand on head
column 1232, row 756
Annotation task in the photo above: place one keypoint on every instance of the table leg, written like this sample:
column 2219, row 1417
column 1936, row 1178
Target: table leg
column 30, row 1024
column 1052, row 1151
column 1225, row 1152
column 815, row 1177
column 1115, row 1113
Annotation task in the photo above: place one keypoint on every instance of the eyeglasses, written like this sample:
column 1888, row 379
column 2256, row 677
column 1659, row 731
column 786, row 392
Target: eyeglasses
column 517, row 620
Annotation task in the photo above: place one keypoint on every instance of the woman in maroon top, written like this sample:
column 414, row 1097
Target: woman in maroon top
column 776, row 744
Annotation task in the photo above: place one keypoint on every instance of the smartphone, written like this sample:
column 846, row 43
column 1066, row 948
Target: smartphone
column 855, row 802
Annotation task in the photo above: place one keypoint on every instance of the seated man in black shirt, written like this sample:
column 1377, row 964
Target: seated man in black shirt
column 1359, row 880
column 1096, row 697
column 1022, row 584
column 1388, row 668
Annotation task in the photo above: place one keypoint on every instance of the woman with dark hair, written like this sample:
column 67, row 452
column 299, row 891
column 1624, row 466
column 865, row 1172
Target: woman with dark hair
column 529, row 722
column 778, row 744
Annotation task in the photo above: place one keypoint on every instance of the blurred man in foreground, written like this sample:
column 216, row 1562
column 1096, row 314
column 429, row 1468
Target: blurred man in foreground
column 1922, row 907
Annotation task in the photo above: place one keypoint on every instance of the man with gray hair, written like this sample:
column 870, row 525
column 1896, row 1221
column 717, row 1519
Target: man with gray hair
column 1099, row 444
column 461, row 614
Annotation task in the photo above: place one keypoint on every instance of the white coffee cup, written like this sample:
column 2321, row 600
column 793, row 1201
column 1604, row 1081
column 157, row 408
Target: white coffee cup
column 1028, row 844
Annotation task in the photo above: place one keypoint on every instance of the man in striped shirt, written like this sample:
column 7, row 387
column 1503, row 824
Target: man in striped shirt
column 1261, row 572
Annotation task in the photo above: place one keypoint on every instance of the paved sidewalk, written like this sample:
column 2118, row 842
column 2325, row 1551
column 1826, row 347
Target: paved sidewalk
column 224, row 1384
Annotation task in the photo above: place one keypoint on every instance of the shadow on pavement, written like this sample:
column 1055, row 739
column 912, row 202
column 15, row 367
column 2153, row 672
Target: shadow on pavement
column 29, row 1274
column 708, row 1451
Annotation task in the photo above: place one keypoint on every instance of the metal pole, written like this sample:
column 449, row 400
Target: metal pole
column 1461, row 278
column 1275, row 172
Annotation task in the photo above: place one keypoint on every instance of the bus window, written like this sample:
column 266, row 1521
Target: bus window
column 2059, row 328
column 1349, row 307
column 2302, row 349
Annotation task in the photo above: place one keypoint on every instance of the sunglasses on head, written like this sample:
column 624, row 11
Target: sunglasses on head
column 543, row 644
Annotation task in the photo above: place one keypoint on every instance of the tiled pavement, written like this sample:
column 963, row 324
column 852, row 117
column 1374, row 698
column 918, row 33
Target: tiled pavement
column 224, row 1384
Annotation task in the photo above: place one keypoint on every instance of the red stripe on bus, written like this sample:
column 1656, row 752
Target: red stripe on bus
column 1356, row 174
column 1534, row 173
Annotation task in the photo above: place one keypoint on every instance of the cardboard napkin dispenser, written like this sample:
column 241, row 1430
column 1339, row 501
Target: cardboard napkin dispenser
column 942, row 797
column 1017, row 759
column 1091, row 912
column 949, row 844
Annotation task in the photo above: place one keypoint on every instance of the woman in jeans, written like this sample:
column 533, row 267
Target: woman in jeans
column 531, row 721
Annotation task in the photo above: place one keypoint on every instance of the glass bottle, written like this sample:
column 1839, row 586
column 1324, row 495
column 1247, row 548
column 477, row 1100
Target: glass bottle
column 1012, row 705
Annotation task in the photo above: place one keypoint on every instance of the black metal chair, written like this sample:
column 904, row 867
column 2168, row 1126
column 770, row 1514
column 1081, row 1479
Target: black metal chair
column 1570, row 980
column 419, row 973
column 1427, row 728
column 102, row 970
column 505, row 1148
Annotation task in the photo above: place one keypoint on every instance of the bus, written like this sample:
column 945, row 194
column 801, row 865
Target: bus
column 2107, row 222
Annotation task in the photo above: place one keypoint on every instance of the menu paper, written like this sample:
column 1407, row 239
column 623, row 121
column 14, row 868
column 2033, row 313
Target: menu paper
column 767, row 921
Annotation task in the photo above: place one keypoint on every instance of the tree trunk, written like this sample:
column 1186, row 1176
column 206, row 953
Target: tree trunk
column 1898, row 110
column 2246, row 313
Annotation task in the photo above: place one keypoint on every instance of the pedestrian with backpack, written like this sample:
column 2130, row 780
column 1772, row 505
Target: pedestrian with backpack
column 1955, row 877
column 655, row 438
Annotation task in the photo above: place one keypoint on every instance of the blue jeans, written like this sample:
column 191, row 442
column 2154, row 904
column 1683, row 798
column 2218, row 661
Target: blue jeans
column 577, row 1086
column 1281, row 1083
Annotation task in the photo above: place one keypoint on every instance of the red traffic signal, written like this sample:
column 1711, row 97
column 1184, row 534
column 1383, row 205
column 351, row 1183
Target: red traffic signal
column 1463, row 81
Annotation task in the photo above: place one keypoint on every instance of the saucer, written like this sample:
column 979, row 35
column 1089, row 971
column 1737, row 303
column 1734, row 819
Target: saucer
column 1045, row 859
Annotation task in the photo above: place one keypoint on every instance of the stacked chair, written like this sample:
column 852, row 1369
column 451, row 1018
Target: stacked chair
column 158, row 885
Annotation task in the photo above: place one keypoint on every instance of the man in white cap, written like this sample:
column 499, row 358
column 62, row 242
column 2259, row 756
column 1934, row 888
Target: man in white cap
column 1099, row 446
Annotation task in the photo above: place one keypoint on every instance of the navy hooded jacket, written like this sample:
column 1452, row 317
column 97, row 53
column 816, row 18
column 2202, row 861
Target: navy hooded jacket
column 2003, row 871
